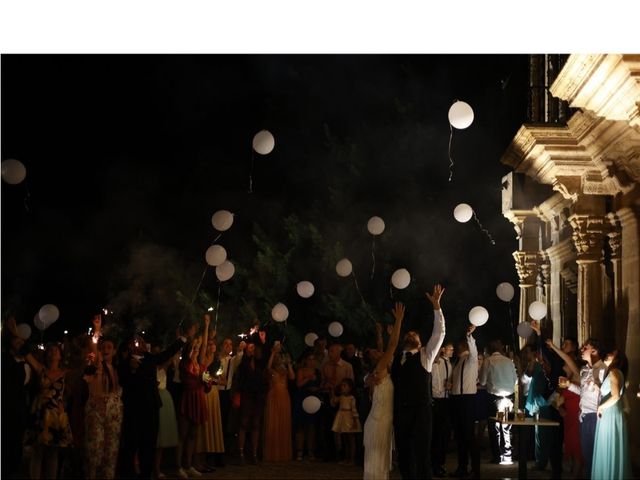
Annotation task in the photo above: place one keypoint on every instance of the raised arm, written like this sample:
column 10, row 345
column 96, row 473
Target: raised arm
column 567, row 358
column 430, row 352
column 379, row 341
column 274, row 351
column 473, row 350
column 205, row 340
column 398, row 314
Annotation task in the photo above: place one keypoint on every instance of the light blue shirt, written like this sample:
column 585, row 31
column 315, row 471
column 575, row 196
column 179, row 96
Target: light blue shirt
column 498, row 373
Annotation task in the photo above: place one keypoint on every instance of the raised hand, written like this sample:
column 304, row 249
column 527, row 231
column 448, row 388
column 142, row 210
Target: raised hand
column 536, row 326
column 207, row 319
column 242, row 346
column 470, row 329
column 550, row 344
column 398, row 311
column 435, row 296
column 378, row 328
column 97, row 322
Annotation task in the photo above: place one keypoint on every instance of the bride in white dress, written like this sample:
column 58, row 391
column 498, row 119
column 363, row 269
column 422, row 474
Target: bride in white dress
column 379, row 425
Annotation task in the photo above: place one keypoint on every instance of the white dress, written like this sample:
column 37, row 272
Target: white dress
column 378, row 432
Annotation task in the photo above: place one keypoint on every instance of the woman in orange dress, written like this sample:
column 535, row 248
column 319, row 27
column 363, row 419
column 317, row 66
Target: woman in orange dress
column 277, row 417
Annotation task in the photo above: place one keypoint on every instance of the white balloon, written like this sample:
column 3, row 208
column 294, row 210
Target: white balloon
column 505, row 291
column 48, row 314
column 524, row 329
column 225, row 271
column 13, row 171
column 222, row 220
column 215, row 255
column 375, row 225
column 335, row 329
column 463, row 213
column 280, row 312
column 478, row 316
column 24, row 331
column 401, row 278
column 344, row 267
column 310, row 338
column 263, row 142
column 305, row 289
column 311, row 404
column 460, row 115
column 537, row 310
column 40, row 325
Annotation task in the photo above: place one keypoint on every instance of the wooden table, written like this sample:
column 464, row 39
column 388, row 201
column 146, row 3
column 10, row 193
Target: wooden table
column 523, row 437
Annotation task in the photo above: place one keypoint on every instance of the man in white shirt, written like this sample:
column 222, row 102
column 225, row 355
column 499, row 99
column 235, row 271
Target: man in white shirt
column 412, row 415
column 463, row 394
column 498, row 373
column 591, row 378
column 441, row 375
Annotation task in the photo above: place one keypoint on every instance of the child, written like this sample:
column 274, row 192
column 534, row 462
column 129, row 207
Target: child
column 347, row 420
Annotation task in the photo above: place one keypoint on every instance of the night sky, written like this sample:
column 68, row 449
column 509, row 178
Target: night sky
column 126, row 150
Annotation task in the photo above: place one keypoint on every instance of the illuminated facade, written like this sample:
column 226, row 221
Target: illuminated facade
column 574, row 200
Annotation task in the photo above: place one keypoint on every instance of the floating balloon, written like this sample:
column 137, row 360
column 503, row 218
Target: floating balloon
column 263, row 142
column 215, row 255
column 40, row 325
column 311, row 404
column 310, row 338
column 48, row 314
column 305, row 289
column 375, row 225
column 524, row 329
column 225, row 271
column 478, row 316
column 505, row 291
column 344, row 267
column 24, row 331
column 460, row 115
column 13, row 171
column 401, row 278
column 222, row 220
column 335, row 329
column 463, row 213
column 280, row 312
column 537, row 310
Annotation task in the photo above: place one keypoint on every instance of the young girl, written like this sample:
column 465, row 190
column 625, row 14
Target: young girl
column 347, row 420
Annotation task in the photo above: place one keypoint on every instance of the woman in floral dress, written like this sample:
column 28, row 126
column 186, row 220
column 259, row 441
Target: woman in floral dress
column 49, row 428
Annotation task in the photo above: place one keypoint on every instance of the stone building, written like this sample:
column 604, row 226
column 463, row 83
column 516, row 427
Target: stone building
column 574, row 200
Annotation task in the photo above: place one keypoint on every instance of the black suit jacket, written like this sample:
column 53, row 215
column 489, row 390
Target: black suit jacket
column 140, row 388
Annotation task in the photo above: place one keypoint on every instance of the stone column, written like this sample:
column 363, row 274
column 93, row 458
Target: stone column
column 527, row 267
column 615, row 243
column 558, row 255
column 588, row 237
column 630, row 253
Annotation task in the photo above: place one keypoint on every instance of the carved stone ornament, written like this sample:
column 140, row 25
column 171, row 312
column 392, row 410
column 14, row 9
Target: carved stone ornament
column 588, row 236
column 527, row 266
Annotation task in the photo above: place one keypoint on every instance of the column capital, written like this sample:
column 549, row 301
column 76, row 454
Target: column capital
column 527, row 263
column 588, row 236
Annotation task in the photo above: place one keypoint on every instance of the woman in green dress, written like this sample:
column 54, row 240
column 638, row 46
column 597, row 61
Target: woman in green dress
column 611, row 447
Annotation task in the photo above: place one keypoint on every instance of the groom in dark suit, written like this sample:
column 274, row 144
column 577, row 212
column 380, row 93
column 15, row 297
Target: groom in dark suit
column 411, row 375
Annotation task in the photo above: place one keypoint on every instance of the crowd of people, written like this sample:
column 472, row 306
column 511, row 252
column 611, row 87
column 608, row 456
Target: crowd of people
column 92, row 409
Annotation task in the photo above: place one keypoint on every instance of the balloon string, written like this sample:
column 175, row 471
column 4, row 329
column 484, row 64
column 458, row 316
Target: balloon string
column 193, row 299
column 364, row 302
column 493, row 242
column 450, row 157
column 27, row 198
column 251, row 172
column 513, row 338
column 216, row 239
column 373, row 256
column 215, row 323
